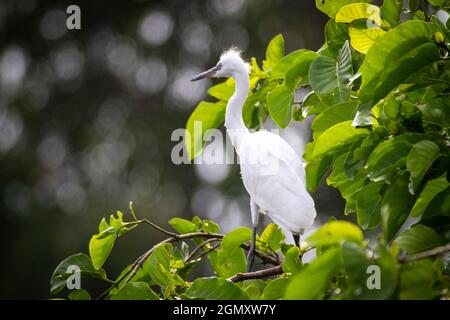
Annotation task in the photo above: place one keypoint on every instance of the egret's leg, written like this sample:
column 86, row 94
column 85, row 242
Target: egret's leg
column 296, row 239
column 251, row 251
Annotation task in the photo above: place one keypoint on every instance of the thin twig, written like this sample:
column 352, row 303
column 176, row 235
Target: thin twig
column 199, row 247
column 207, row 251
column 426, row 254
column 171, row 234
column 257, row 274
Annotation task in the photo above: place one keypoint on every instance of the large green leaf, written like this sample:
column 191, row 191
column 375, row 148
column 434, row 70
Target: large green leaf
column 182, row 225
column 387, row 157
column 336, row 136
column 62, row 273
column 222, row 91
column 368, row 205
column 327, row 74
column 298, row 73
column 396, row 206
column 439, row 205
column 207, row 115
column 316, row 169
column 230, row 257
column 418, row 238
column 331, row 7
column 417, row 281
column 280, row 102
column 312, row 281
column 333, row 115
column 335, row 232
column 282, row 67
column 431, row 189
column 419, row 160
column 158, row 266
column 135, row 291
column 336, row 34
column 215, row 289
column 275, row 289
column 355, row 11
column 391, row 10
column 409, row 45
column 292, row 263
column 272, row 237
column 362, row 39
column 100, row 246
column 274, row 52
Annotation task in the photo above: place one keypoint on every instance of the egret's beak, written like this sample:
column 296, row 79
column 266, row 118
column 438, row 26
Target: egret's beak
column 207, row 74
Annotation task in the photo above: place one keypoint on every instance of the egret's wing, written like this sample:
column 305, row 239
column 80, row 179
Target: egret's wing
column 280, row 149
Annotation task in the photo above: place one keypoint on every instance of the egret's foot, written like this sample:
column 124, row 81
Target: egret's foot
column 250, row 258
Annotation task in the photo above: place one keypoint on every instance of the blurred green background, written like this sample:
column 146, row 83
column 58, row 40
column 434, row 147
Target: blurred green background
column 86, row 118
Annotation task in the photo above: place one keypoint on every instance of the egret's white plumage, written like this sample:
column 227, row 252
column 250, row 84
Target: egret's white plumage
column 272, row 172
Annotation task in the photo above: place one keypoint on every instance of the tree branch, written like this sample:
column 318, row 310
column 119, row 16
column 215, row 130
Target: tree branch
column 257, row 274
column 425, row 254
column 174, row 238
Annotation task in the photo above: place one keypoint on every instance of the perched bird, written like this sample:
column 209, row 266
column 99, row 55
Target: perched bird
column 272, row 173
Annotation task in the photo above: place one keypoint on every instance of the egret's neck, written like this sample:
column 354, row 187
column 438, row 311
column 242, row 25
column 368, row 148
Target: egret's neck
column 234, row 121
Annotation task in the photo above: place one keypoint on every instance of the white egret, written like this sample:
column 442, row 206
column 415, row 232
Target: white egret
column 272, row 172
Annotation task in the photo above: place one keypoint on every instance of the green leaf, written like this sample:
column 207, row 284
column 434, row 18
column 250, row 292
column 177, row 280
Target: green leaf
column 79, row 294
column 355, row 264
column 431, row 189
column 355, row 11
column 62, row 273
column 230, row 257
column 292, row 263
column 213, row 288
column 281, row 68
column 440, row 205
column 316, row 169
column 336, row 35
column 158, row 264
column 418, row 238
column 331, row 7
column 275, row 289
column 419, row 160
column 362, row 39
column 315, row 278
column 182, row 226
column 298, row 73
column 417, row 281
column 409, row 45
column 272, row 237
column 387, row 263
column 327, row 74
column 274, row 52
column 210, row 226
column 207, row 115
column 335, row 232
column 280, row 102
column 222, row 91
column 135, row 291
column 100, row 246
column 333, row 115
column 387, row 157
column 368, row 205
column 396, row 206
column 338, row 135
column 391, row 10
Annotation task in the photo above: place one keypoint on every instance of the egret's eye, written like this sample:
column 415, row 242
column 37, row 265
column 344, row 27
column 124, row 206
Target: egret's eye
column 219, row 66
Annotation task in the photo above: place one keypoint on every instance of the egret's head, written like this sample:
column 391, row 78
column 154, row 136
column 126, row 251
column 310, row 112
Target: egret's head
column 229, row 65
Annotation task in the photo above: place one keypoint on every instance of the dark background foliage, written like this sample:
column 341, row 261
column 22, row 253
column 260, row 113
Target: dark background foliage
column 86, row 118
